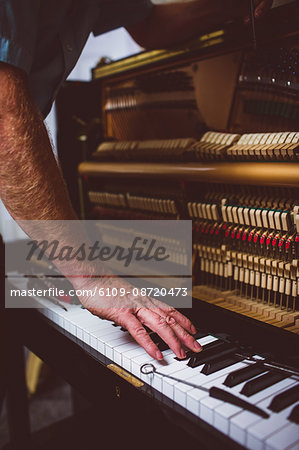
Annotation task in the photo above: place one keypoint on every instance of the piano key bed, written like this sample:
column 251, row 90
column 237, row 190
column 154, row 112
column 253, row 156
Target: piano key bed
column 220, row 364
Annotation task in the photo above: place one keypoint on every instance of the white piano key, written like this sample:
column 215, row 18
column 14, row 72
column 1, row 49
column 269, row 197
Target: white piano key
column 170, row 366
column 72, row 328
column 193, row 401
column 123, row 348
column 222, row 416
column 129, row 355
column 68, row 315
column 286, row 438
column 54, row 316
column 207, row 339
column 87, row 332
column 83, row 326
column 144, row 359
column 246, row 428
column 168, row 385
column 180, row 391
column 101, row 331
column 80, row 328
column 173, row 367
column 74, row 321
column 207, row 406
column 83, row 321
column 93, row 342
column 104, row 336
column 240, row 423
column 54, row 311
column 109, row 346
column 158, row 381
column 207, row 381
column 225, row 412
column 138, row 361
column 264, row 428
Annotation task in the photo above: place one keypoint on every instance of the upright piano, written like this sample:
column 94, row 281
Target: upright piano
column 207, row 132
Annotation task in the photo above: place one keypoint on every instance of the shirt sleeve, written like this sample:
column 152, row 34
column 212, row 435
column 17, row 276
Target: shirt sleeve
column 120, row 13
column 18, row 28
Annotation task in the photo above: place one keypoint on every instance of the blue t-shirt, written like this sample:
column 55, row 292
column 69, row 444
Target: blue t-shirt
column 45, row 37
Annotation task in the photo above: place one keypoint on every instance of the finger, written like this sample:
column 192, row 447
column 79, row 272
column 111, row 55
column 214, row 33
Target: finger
column 180, row 331
column 137, row 331
column 179, row 317
column 158, row 324
column 164, row 328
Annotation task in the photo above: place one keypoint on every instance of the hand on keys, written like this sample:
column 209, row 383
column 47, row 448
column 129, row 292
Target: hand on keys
column 134, row 312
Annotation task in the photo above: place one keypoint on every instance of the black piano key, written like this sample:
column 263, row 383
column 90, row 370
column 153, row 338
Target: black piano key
column 210, row 354
column 262, row 382
column 159, row 342
column 285, row 399
column 162, row 346
column 190, row 353
column 239, row 376
column 294, row 416
column 219, row 364
column 205, row 347
column 157, row 339
column 227, row 397
column 199, row 335
column 147, row 329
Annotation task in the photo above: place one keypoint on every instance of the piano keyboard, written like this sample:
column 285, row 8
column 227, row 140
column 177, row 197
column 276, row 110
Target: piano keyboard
column 154, row 205
column 220, row 364
column 146, row 150
column 213, row 146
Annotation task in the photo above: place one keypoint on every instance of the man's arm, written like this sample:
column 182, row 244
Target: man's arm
column 31, row 184
column 170, row 24
column 32, row 188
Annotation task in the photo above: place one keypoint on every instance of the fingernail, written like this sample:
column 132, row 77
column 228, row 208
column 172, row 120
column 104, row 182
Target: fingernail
column 159, row 355
column 197, row 346
column 258, row 13
column 182, row 354
column 193, row 329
